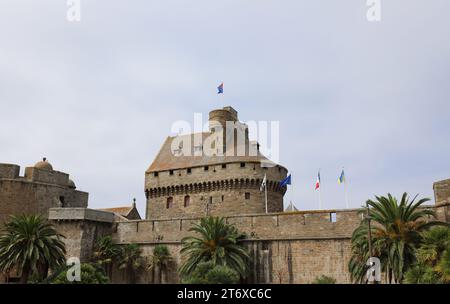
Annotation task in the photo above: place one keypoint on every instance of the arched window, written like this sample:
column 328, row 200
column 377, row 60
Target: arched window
column 169, row 202
column 187, row 201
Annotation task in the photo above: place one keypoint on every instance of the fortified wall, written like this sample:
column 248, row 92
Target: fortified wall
column 39, row 189
column 287, row 247
column 294, row 247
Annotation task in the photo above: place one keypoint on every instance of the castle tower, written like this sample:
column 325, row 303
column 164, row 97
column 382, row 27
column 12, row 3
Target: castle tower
column 188, row 182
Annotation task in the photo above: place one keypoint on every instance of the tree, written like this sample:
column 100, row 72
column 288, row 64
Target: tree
column 432, row 258
column 130, row 260
column 217, row 242
column 32, row 246
column 159, row 262
column 396, row 228
column 208, row 273
column 105, row 253
column 90, row 274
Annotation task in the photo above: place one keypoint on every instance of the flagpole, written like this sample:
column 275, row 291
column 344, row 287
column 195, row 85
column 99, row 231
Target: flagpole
column 346, row 194
column 265, row 193
column 345, row 189
column 320, row 198
column 292, row 188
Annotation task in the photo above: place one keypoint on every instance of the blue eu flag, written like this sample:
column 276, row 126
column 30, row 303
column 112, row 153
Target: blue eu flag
column 286, row 181
column 220, row 89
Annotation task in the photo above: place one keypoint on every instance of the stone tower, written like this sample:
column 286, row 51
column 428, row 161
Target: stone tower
column 186, row 181
column 39, row 189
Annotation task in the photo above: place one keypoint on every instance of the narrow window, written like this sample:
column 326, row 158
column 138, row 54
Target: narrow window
column 189, row 170
column 155, row 174
column 206, row 168
column 169, row 202
column 242, row 165
column 333, row 217
column 224, row 166
column 61, row 199
column 210, row 199
column 247, row 195
column 187, row 201
column 222, row 198
column 171, row 172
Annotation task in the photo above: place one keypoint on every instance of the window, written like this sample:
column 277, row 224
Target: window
column 61, row 200
column 224, row 166
column 333, row 217
column 171, row 172
column 189, row 170
column 206, row 168
column 210, row 199
column 187, row 201
column 169, row 202
column 247, row 195
column 155, row 174
column 222, row 198
column 242, row 165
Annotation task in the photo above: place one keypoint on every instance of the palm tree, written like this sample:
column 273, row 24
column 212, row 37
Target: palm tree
column 32, row 246
column 216, row 242
column 160, row 261
column 105, row 253
column 433, row 245
column 432, row 258
column 396, row 228
column 130, row 260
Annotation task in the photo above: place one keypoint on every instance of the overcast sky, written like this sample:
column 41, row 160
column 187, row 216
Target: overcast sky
column 98, row 97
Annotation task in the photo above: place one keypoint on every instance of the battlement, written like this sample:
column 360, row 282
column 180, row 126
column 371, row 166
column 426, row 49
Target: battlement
column 9, row 171
column 442, row 192
column 323, row 224
column 39, row 189
column 33, row 174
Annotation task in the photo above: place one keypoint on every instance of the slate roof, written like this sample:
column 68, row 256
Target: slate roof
column 167, row 160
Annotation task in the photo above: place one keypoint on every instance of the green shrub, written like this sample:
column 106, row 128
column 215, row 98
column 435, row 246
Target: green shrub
column 323, row 279
column 207, row 273
column 89, row 275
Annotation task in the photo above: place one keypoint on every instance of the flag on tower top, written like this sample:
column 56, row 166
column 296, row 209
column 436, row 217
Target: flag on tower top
column 220, row 89
column 318, row 181
column 341, row 178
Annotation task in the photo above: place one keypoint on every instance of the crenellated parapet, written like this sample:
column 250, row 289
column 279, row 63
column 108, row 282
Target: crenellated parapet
column 38, row 190
column 220, row 185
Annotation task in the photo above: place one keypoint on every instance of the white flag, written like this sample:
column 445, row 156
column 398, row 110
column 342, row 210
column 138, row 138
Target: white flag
column 263, row 184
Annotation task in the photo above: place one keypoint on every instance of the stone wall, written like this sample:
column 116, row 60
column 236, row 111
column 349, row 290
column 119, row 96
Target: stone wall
column 23, row 197
column 442, row 192
column 82, row 228
column 35, row 192
column 292, row 247
column 226, row 187
column 296, row 261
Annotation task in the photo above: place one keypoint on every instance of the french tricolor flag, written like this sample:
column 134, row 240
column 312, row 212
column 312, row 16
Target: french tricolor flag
column 318, row 181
